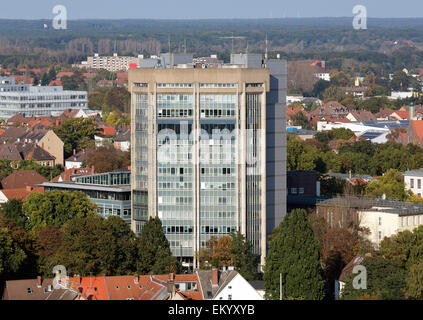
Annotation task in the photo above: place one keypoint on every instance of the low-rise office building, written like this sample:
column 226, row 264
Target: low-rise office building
column 110, row 191
column 36, row 100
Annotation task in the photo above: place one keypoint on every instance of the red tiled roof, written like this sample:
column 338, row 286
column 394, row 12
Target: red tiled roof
column 22, row 179
column 417, row 126
column 21, row 193
column 72, row 172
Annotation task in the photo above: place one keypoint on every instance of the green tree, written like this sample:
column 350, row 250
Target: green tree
column 56, row 208
column 12, row 209
column 385, row 281
column 390, row 184
column 77, row 133
column 243, row 258
column 11, row 255
column 414, row 282
column 153, row 250
column 294, row 253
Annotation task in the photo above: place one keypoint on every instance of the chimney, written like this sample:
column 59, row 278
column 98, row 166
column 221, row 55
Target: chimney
column 136, row 279
column 171, row 285
column 29, row 188
column 74, row 152
column 57, row 122
column 39, row 281
column 92, row 169
column 215, row 277
column 77, row 280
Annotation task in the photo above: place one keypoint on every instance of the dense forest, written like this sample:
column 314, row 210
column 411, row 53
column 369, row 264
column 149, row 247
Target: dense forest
column 390, row 42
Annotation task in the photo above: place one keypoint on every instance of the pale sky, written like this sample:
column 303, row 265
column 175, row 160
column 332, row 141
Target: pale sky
column 200, row 9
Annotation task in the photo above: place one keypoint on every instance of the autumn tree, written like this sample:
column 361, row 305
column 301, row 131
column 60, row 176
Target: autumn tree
column 107, row 159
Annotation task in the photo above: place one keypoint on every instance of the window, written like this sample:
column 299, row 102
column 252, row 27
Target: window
column 380, row 221
column 380, row 235
column 294, row 190
column 419, row 183
column 229, row 297
column 411, row 183
column 301, row 190
column 29, row 290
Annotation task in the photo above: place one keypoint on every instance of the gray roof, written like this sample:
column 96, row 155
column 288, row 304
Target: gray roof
column 28, row 290
column 80, row 186
column 368, row 204
column 415, row 172
column 209, row 291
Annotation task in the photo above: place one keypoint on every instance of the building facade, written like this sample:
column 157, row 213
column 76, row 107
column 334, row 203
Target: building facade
column 37, row 101
column 208, row 153
column 110, row 191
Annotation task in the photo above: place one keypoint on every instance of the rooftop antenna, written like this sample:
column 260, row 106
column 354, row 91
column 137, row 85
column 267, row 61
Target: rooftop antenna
column 233, row 38
column 267, row 49
column 115, row 48
column 168, row 41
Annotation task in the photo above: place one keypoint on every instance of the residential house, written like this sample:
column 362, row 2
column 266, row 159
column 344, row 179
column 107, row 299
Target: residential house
column 348, row 270
column 22, row 179
column 19, row 193
column 357, row 91
column 136, row 287
column 37, row 289
column 384, row 114
column 332, row 109
column 122, row 140
column 361, row 115
column 226, row 285
column 33, row 151
column 75, row 160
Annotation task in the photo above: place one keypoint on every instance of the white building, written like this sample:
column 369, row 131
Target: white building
column 237, row 288
column 323, row 76
column 110, row 63
column 387, row 221
column 413, row 181
column 37, row 101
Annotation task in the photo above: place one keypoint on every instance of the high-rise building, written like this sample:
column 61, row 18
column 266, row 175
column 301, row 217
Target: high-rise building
column 36, row 100
column 208, row 151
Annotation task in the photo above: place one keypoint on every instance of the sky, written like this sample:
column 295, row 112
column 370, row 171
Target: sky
column 204, row 9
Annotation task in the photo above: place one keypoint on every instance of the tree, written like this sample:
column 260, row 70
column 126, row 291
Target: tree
column 294, row 253
column 414, row 282
column 153, row 250
column 11, row 255
column 56, row 208
column 77, row 133
column 222, row 252
column 106, row 159
column 385, row 281
column 243, row 258
column 390, row 185
column 12, row 209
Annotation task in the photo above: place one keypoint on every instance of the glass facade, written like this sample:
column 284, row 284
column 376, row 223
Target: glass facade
column 218, row 196
column 174, row 185
column 139, row 194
